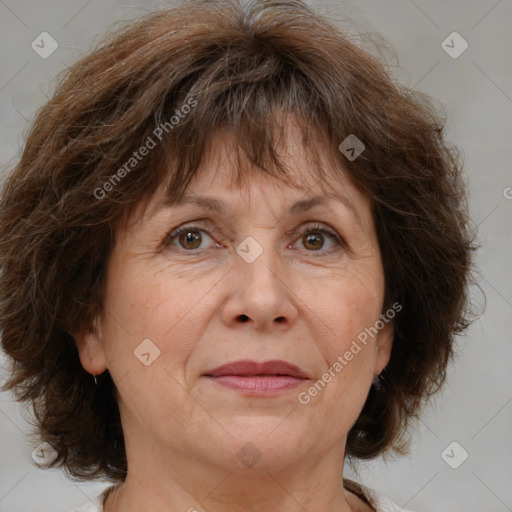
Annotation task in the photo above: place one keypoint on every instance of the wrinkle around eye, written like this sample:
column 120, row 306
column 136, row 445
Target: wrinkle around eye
column 353, row 240
column 333, row 244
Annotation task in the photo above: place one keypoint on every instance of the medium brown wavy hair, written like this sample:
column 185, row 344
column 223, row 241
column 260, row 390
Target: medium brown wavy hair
column 240, row 67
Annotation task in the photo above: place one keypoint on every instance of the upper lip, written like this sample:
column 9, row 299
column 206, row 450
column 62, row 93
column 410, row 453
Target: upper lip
column 246, row 367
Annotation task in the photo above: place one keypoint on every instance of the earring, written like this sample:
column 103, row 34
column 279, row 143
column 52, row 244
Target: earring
column 378, row 379
column 95, row 381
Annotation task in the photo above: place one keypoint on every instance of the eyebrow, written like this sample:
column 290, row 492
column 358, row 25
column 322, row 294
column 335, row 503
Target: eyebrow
column 219, row 207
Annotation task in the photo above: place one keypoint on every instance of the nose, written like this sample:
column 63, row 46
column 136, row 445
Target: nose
column 260, row 294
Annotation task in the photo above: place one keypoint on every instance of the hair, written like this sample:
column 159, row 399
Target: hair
column 237, row 68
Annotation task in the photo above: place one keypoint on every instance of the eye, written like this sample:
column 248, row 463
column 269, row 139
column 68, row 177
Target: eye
column 189, row 236
column 313, row 238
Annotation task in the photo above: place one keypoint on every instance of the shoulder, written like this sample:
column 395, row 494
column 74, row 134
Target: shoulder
column 94, row 505
column 379, row 502
column 90, row 506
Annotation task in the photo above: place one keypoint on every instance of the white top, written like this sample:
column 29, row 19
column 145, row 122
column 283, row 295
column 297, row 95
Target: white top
column 378, row 501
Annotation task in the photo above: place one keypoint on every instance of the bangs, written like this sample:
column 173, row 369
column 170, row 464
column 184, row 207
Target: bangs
column 259, row 111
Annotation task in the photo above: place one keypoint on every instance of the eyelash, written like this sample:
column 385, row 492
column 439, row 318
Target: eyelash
column 315, row 228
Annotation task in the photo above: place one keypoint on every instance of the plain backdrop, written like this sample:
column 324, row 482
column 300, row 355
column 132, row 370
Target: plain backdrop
column 475, row 408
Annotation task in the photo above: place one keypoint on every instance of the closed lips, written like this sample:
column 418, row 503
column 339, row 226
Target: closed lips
column 246, row 368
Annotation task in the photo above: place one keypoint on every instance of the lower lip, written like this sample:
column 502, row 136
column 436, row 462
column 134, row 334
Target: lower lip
column 258, row 385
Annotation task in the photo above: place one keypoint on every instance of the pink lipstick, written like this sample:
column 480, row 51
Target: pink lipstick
column 255, row 378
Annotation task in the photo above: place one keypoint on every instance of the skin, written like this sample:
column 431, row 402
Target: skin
column 305, row 303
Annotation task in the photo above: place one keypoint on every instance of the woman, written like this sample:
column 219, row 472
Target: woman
column 235, row 255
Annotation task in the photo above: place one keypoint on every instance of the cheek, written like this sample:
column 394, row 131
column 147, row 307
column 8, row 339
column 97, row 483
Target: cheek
column 346, row 305
column 347, row 367
column 152, row 324
column 136, row 294
column 144, row 303
column 345, row 310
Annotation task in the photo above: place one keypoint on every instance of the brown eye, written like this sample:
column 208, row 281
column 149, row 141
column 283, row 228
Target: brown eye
column 320, row 239
column 313, row 241
column 190, row 239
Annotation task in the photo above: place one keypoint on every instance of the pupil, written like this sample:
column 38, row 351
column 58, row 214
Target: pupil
column 191, row 238
column 311, row 238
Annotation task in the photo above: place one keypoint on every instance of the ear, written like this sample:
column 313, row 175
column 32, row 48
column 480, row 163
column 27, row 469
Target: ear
column 384, row 344
column 89, row 342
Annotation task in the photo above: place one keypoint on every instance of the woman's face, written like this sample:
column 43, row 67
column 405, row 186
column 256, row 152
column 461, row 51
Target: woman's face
column 257, row 288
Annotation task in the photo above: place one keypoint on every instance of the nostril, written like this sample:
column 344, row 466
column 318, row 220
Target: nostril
column 244, row 318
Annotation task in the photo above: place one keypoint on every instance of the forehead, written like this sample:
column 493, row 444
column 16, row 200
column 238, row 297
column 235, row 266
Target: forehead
column 226, row 177
column 305, row 169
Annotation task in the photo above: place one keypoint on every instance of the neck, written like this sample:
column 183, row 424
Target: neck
column 197, row 477
column 320, row 490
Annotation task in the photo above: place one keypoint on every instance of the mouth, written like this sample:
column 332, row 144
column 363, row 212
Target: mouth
column 251, row 377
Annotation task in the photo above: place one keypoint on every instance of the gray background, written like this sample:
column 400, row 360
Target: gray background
column 475, row 408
